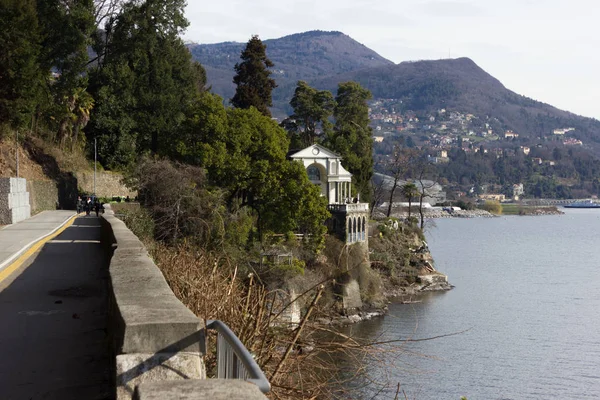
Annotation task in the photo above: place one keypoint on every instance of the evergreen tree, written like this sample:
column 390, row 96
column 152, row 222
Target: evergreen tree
column 146, row 84
column 252, row 79
column 21, row 78
column 312, row 109
column 352, row 137
column 247, row 157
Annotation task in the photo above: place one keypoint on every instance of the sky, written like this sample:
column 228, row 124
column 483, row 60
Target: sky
column 548, row 50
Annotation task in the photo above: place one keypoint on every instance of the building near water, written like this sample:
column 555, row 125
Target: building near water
column 349, row 217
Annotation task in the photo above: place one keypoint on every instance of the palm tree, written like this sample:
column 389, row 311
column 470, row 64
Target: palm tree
column 76, row 114
column 409, row 190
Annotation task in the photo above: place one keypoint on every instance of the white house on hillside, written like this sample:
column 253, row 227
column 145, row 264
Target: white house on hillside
column 324, row 168
column 349, row 217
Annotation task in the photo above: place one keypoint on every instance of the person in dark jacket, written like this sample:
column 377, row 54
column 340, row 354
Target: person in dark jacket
column 97, row 207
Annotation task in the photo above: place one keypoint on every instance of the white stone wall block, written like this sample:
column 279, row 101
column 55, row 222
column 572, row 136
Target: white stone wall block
column 14, row 200
column 22, row 185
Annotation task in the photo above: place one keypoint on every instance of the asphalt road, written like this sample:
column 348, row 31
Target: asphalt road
column 53, row 316
column 16, row 237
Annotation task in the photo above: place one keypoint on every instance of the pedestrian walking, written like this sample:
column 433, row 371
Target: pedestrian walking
column 88, row 206
column 97, row 207
column 79, row 205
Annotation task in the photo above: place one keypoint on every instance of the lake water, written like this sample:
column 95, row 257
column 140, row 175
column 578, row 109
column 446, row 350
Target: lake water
column 527, row 290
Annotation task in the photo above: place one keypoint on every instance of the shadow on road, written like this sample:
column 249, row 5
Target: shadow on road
column 53, row 339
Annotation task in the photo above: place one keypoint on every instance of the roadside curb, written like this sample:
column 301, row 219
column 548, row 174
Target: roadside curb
column 13, row 262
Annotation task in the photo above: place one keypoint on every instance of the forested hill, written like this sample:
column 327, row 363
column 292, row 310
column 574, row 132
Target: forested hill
column 461, row 85
column 302, row 56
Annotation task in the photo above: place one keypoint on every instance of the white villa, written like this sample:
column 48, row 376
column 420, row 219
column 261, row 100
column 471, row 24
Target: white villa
column 324, row 168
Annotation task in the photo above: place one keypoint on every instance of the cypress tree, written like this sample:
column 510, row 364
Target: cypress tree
column 352, row 136
column 252, row 79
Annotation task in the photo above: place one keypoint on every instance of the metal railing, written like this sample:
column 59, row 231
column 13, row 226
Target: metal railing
column 234, row 361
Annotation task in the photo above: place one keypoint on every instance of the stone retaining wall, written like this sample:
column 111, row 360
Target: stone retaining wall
column 14, row 200
column 43, row 195
column 108, row 184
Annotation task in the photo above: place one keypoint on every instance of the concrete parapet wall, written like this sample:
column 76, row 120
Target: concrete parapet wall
column 153, row 335
column 14, row 200
column 135, row 369
column 213, row 389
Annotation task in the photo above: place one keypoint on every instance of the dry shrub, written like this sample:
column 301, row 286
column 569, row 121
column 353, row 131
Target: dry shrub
column 302, row 361
column 185, row 208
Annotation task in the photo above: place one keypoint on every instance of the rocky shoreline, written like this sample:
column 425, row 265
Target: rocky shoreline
column 402, row 294
column 459, row 214
column 435, row 282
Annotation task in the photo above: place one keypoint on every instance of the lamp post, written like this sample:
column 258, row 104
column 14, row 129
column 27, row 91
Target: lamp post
column 17, row 152
column 95, row 157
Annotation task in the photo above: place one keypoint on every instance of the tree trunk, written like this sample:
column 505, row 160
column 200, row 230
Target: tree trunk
column 389, row 211
column 421, row 209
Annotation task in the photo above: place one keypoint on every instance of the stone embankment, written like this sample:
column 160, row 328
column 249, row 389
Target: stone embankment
column 435, row 213
column 542, row 211
column 438, row 213
column 458, row 214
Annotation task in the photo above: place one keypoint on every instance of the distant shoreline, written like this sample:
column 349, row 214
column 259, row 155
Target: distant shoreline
column 435, row 213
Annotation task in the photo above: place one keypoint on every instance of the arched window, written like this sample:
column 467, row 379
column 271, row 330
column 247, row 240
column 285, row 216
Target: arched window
column 333, row 168
column 314, row 174
column 364, row 231
column 349, row 222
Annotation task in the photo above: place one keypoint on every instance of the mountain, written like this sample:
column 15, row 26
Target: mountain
column 324, row 59
column 302, row 56
column 460, row 84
